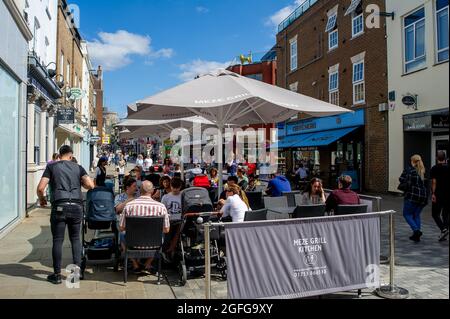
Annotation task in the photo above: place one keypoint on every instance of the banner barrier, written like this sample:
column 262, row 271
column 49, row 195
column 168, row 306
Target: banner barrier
column 303, row 257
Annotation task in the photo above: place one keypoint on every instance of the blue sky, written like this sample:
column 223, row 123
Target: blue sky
column 147, row 46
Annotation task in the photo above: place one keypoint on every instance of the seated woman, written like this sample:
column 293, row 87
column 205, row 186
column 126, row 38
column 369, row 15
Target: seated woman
column 235, row 206
column 164, row 185
column 314, row 194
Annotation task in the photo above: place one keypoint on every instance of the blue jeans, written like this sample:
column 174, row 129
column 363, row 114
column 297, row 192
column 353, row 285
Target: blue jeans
column 411, row 212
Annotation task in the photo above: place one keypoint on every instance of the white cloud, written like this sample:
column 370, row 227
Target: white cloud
column 201, row 9
column 163, row 53
column 278, row 17
column 114, row 50
column 199, row 67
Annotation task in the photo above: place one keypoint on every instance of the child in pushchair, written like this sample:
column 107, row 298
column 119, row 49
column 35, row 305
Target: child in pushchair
column 197, row 210
column 100, row 216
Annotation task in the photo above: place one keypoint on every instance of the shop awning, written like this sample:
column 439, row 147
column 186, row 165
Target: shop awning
column 288, row 142
column 323, row 138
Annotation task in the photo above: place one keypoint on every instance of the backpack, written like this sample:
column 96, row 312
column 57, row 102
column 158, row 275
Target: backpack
column 201, row 181
column 196, row 200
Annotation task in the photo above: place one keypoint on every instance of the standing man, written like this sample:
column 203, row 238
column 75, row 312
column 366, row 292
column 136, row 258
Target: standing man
column 439, row 188
column 65, row 179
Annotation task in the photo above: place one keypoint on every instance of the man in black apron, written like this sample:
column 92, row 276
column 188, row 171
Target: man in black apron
column 65, row 179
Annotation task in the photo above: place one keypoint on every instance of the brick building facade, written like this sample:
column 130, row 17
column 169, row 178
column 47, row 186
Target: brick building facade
column 357, row 61
column 69, row 61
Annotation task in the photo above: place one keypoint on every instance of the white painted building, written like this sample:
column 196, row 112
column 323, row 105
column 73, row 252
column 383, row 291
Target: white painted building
column 86, row 147
column 15, row 35
column 43, row 92
column 418, row 56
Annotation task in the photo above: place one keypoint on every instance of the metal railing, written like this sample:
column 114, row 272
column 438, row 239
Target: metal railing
column 390, row 291
column 296, row 14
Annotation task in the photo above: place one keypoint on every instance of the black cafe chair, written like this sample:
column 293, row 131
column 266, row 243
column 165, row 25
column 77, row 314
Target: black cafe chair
column 144, row 238
column 291, row 197
column 256, row 215
column 351, row 210
column 255, row 200
column 308, row 211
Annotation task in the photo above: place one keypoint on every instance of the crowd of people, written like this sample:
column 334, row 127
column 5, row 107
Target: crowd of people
column 149, row 190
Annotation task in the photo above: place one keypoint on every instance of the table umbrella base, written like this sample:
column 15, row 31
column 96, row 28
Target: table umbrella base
column 392, row 292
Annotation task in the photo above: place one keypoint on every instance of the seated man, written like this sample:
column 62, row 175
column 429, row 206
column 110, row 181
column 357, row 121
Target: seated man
column 253, row 183
column 278, row 185
column 343, row 196
column 144, row 206
column 242, row 179
column 232, row 180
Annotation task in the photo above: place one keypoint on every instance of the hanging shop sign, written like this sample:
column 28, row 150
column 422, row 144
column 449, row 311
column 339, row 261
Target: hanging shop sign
column 410, row 100
column 75, row 94
column 66, row 116
column 440, row 121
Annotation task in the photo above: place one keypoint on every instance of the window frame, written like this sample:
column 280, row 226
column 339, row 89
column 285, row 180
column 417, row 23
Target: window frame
column 438, row 51
column 331, row 18
column 354, row 18
column 359, row 82
column 292, row 56
column 333, row 91
column 331, row 48
column 405, row 46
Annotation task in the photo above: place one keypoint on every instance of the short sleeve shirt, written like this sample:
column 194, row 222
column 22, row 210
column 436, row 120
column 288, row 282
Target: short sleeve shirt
column 172, row 203
column 144, row 207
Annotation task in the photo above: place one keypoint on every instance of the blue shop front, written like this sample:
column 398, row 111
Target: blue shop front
column 328, row 147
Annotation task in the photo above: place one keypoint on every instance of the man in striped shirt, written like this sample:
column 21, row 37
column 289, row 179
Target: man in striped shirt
column 144, row 206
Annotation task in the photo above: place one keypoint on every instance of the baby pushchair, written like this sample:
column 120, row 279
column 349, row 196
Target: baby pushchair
column 100, row 216
column 197, row 210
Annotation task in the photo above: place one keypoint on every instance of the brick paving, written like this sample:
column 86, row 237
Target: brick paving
column 25, row 261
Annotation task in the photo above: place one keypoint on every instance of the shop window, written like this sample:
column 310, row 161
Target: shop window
column 414, row 33
column 9, row 147
column 442, row 30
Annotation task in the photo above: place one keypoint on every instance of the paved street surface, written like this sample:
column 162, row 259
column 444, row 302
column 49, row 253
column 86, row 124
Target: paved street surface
column 25, row 262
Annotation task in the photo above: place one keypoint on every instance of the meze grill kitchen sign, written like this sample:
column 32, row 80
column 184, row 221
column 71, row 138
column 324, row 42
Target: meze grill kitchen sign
column 302, row 258
column 66, row 116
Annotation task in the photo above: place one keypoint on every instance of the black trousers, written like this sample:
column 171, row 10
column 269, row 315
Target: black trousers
column 71, row 216
column 440, row 213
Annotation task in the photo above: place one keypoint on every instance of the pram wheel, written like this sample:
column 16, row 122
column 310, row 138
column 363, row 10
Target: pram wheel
column 182, row 271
